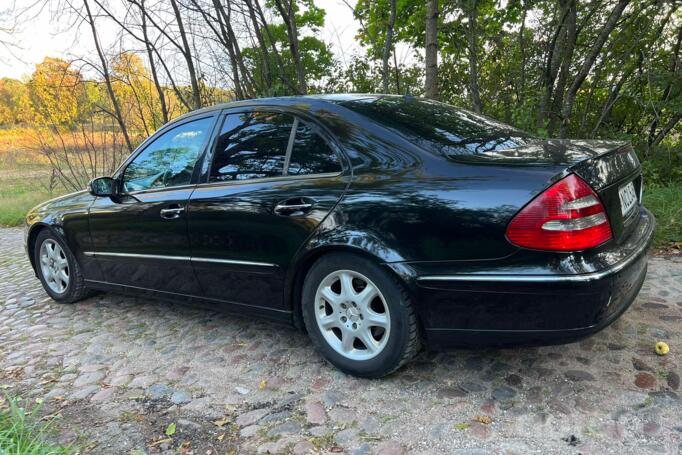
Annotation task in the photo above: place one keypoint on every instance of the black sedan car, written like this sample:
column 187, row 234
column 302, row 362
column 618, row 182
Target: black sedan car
column 376, row 223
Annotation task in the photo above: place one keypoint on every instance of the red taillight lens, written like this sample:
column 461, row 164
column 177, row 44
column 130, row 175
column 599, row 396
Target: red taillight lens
column 567, row 216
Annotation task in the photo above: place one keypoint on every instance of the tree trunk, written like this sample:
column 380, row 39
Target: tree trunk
column 286, row 10
column 566, row 58
column 473, row 57
column 187, row 53
column 388, row 45
column 651, row 139
column 261, row 43
column 586, row 66
column 152, row 66
column 521, row 90
column 107, row 78
column 396, row 72
column 552, row 62
column 275, row 52
column 431, row 51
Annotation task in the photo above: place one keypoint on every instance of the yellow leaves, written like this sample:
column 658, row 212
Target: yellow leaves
column 56, row 90
column 262, row 385
column 462, row 426
column 170, row 429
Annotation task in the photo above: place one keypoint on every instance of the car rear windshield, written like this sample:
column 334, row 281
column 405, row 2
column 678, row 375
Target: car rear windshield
column 443, row 129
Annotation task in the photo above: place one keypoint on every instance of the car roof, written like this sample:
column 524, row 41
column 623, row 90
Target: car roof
column 337, row 99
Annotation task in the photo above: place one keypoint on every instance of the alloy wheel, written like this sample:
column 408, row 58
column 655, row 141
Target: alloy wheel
column 54, row 266
column 352, row 315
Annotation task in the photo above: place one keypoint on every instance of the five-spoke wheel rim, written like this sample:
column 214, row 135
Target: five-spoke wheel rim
column 54, row 266
column 352, row 315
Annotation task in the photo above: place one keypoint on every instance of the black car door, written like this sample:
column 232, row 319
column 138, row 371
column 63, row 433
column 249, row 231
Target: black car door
column 140, row 237
column 273, row 178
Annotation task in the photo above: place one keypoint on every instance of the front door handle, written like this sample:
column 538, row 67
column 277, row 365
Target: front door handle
column 294, row 207
column 172, row 212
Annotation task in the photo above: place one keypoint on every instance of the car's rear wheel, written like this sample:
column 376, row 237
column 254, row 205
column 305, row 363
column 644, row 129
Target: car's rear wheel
column 359, row 316
column 58, row 269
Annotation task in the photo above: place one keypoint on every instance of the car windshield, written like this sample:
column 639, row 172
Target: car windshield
column 443, row 129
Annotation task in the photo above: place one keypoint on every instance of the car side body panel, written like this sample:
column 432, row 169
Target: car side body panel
column 438, row 224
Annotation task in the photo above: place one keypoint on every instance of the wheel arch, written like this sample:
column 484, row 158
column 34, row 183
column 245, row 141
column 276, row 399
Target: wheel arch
column 31, row 241
column 301, row 267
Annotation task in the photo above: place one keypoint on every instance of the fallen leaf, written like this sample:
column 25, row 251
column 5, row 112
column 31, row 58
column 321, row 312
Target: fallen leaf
column 221, row 422
column 221, row 437
column 263, row 384
column 160, row 441
column 170, row 429
column 461, row 426
column 336, row 449
column 483, row 419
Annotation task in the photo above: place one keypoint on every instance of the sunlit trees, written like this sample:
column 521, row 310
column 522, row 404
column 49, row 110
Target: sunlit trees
column 57, row 93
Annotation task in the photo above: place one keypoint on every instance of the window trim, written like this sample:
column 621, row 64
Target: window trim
column 330, row 140
column 195, row 179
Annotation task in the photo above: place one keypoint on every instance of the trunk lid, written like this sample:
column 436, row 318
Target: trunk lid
column 609, row 167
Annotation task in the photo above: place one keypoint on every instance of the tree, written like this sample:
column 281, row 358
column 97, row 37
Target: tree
column 431, row 50
column 56, row 93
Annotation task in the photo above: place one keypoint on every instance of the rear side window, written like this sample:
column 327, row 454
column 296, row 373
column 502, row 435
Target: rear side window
column 311, row 154
column 251, row 145
column 443, row 129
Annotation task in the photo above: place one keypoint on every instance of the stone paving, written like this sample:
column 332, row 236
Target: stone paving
column 116, row 371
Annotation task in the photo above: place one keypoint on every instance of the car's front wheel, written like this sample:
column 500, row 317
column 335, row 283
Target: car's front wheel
column 359, row 316
column 58, row 269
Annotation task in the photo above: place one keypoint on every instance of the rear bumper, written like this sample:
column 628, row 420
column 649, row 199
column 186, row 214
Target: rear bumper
column 522, row 302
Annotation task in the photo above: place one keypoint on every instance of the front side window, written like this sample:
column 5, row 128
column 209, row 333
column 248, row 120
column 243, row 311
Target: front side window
column 251, row 145
column 170, row 159
column 311, row 154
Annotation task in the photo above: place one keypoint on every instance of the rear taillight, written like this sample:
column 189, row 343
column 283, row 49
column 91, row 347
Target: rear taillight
column 567, row 216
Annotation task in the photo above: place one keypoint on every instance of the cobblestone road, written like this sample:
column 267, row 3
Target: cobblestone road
column 116, row 371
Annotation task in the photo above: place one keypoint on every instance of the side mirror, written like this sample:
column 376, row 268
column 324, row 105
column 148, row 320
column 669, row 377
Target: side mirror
column 102, row 186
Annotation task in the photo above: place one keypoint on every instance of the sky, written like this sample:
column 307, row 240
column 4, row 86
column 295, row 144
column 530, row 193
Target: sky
column 47, row 33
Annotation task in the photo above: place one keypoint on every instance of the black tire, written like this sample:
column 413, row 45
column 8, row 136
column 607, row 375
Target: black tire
column 403, row 340
column 75, row 290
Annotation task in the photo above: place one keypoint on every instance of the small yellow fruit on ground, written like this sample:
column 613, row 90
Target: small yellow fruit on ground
column 662, row 348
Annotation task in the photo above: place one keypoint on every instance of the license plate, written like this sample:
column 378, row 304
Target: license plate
column 628, row 198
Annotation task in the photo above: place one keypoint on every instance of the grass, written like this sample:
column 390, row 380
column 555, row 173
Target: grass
column 666, row 204
column 21, row 433
column 21, row 189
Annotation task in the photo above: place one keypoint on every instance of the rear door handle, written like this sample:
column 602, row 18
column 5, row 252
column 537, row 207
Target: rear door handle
column 172, row 212
column 293, row 207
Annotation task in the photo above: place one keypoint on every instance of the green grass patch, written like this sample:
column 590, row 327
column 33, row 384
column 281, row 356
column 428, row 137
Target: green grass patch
column 21, row 189
column 22, row 433
column 665, row 202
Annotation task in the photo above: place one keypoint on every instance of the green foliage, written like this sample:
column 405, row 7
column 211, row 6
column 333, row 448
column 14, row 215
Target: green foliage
column 662, row 167
column 316, row 56
column 665, row 202
column 21, row 433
